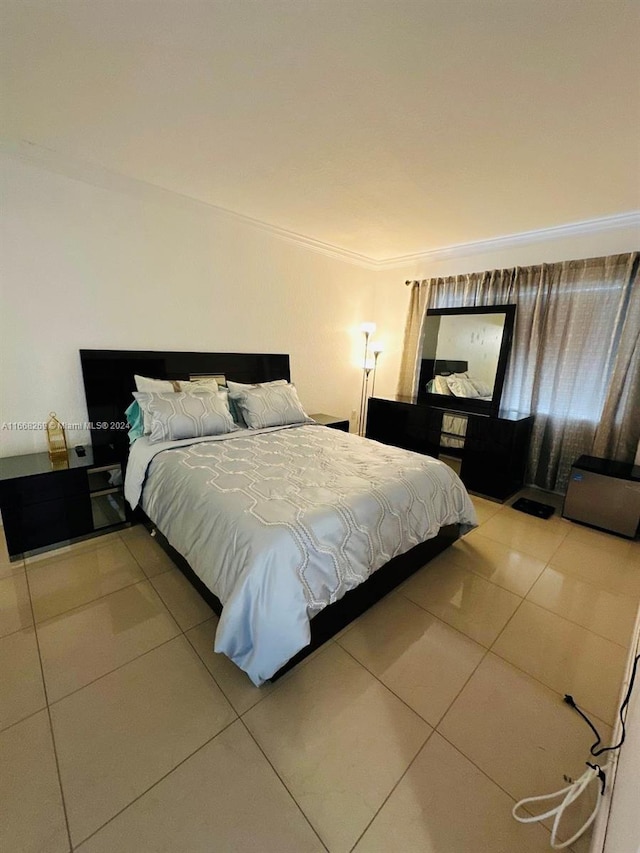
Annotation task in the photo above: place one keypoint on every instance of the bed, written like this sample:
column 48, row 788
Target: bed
column 289, row 532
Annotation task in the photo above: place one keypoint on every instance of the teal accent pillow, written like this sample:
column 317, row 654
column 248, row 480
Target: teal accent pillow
column 135, row 420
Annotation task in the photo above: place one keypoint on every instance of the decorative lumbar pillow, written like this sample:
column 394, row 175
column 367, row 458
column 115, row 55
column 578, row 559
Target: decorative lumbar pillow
column 185, row 415
column 271, row 405
column 460, row 386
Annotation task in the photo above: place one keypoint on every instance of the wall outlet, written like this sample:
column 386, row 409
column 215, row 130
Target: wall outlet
column 354, row 415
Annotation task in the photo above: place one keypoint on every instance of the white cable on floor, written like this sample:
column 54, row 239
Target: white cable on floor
column 571, row 794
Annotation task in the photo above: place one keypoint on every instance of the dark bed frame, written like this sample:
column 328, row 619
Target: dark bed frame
column 108, row 381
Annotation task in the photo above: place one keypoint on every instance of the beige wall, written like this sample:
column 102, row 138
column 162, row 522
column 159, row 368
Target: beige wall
column 89, row 267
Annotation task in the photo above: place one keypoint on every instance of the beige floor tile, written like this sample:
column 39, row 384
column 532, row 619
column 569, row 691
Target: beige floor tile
column 30, row 801
column 15, row 606
column 62, row 583
column 7, row 568
column 622, row 548
column 89, row 544
column 119, row 735
column 226, row 797
column 423, row 661
column 150, row 556
column 464, row 600
column 600, row 566
column 234, row 683
column 339, row 740
column 21, row 688
column 484, row 509
column 519, row 732
column 525, row 533
column 446, row 805
column 186, row 605
column 92, row 640
column 634, row 553
column 566, row 657
column 605, row 613
column 510, row 569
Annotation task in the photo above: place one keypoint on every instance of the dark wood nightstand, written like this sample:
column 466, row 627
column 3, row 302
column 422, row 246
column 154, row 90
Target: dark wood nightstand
column 331, row 421
column 44, row 505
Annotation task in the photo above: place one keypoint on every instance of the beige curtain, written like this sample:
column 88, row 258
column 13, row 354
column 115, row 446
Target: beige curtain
column 413, row 338
column 575, row 359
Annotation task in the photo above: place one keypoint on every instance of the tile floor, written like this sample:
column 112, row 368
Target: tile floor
column 414, row 730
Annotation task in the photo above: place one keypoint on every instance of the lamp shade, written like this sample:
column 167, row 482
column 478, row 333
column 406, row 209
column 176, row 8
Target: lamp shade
column 376, row 348
column 368, row 328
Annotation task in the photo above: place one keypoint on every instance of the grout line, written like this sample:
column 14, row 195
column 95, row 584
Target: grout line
column 284, row 784
column 592, row 714
column 484, row 772
column 115, row 669
column 383, row 803
column 90, row 601
column 579, row 624
column 157, row 782
column 404, row 702
column 22, row 719
column 386, row 687
column 106, row 595
column 48, row 708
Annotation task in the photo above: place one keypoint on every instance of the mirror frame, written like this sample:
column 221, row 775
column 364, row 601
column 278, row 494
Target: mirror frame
column 471, row 404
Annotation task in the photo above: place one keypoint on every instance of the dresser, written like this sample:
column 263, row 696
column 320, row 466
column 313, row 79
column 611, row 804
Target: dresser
column 492, row 449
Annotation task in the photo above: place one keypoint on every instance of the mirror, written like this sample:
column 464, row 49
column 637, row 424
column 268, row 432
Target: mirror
column 464, row 357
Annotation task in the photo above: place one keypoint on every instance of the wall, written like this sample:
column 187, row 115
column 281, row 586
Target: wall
column 92, row 267
column 391, row 297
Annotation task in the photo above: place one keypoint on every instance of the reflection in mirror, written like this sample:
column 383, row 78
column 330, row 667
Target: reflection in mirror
column 462, row 344
column 464, row 355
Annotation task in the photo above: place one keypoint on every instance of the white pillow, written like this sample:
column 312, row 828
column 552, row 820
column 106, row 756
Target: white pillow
column 460, row 385
column 148, row 385
column 190, row 385
column 235, row 390
column 440, row 385
column 481, row 387
column 183, row 414
column 155, row 386
column 273, row 405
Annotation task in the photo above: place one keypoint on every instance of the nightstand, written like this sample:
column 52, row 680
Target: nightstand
column 331, row 421
column 43, row 505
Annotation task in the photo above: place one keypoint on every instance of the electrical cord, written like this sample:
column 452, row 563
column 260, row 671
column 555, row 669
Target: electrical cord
column 594, row 748
column 571, row 793
column 575, row 790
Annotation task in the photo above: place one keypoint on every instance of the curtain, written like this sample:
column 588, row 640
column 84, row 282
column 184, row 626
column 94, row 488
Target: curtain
column 412, row 338
column 575, row 357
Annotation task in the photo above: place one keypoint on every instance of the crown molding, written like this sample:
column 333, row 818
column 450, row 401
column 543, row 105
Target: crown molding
column 509, row 241
column 99, row 176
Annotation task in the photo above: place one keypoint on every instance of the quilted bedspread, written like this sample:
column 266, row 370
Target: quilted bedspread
column 280, row 523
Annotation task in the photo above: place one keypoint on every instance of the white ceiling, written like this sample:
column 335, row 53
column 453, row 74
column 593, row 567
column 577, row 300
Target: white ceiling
column 384, row 127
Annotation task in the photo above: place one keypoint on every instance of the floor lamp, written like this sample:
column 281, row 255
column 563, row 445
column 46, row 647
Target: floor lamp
column 367, row 330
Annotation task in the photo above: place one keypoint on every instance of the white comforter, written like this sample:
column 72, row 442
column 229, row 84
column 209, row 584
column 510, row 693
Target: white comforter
column 279, row 523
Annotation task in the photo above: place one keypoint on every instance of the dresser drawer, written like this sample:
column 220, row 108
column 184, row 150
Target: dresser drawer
column 26, row 491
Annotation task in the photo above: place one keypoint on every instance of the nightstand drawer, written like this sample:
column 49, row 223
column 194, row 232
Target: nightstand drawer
column 26, row 491
column 46, row 522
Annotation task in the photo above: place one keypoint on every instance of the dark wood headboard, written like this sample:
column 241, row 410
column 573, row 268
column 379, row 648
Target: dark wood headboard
column 109, row 384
